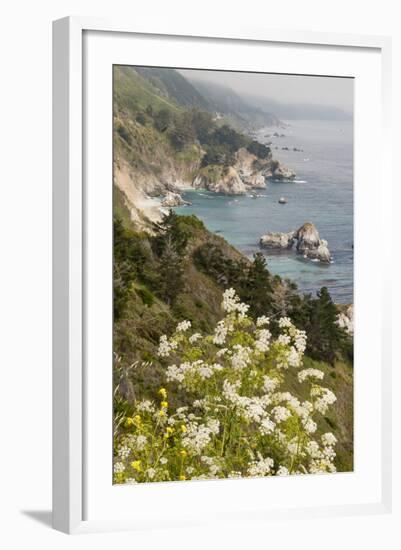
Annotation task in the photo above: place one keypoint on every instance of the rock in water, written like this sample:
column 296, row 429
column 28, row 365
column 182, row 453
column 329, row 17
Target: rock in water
column 279, row 241
column 173, row 199
column 283, row 173
column 310, row 245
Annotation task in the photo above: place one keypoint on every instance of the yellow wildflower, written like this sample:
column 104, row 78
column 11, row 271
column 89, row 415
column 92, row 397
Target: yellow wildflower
column 119, row 477
column 169, row 431
column 183, row 428
column 163, row 392
column 164, row 404
column 128, row 422
column 136, row 464
column 183, row 453
column 182, row 478
column 137, row 419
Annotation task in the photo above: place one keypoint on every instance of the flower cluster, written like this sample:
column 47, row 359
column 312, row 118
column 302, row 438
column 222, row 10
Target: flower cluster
column 237, row 418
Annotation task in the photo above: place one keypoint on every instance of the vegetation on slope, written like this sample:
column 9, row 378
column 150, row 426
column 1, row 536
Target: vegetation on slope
column 180, row 272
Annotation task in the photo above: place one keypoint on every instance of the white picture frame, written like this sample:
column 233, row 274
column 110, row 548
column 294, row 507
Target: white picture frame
column 71, row 417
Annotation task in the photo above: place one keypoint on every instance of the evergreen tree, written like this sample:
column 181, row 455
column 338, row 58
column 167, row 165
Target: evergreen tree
column 325, row 337
column 257, row 288
column 169, row 245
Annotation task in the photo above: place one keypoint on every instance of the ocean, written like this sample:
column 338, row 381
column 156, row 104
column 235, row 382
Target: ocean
column 322, row 193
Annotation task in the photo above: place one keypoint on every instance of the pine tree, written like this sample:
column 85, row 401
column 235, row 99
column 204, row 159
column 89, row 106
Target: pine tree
column 325, row 337
column 256, row 289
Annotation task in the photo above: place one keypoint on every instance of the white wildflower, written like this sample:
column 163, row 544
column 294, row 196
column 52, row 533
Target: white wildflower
column 150, row 472
column 284, row 322
column 263, row 342
column 241, row 357
column 267, row 426
column 281, row 414
column 183, row 326
column 310, row 373
column 146, row 406
column 328, row 439
column 194, row 338
column 261, row 467
column 220, row 333
column 123, row 452
column 118, row 467
column 262, row 321
column 141, row 441
column 166, row 346
column 231, row 303
column 270, row 384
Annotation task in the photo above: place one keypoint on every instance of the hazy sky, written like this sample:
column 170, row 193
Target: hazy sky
column 315, row 90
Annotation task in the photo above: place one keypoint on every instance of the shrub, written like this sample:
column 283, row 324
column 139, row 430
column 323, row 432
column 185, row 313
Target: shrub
column 145, row 295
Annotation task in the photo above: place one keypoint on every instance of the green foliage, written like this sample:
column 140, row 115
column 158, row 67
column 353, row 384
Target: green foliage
column 181, row 132
column 123, row 133
column 141, row 118
column 258, row 149
column 130, row 258
column 163, row 119
column 146, row 296
column 256, row 288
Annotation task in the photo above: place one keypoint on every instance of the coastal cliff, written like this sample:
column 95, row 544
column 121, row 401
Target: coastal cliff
column 163, row 145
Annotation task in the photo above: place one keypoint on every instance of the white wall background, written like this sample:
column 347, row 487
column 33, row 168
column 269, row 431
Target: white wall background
column 25, row 291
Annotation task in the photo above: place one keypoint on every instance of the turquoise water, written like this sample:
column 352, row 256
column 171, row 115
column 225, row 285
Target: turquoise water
column 322, row 194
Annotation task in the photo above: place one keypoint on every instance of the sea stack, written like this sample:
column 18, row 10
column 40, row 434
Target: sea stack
column 310, row 245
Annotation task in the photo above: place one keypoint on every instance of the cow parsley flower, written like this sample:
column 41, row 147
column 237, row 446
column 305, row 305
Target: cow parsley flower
column 281, row 414
column 220, row 333
column 261, row 467
column 262, row 321
column 284, row 322
column 328, row 439
column 310, row 373
column 183, row 326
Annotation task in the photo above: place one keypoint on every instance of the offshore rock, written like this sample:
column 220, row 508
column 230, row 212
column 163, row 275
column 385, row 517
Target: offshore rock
column 173, row 199
column 278, row 241
column 310, row 245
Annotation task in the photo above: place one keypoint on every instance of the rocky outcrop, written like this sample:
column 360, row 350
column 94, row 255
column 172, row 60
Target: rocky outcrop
column 249, row 169
column 309, row 243
column 255, row 181
column 278, row 241
column 224, row 180
column 281, row 172
column 345, row 319
column 173, row 199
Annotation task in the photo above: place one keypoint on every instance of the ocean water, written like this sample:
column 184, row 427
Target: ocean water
column 322, row 194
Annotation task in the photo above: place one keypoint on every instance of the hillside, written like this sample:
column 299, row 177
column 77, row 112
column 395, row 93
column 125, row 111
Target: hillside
column 240, row 113
column 148, row 305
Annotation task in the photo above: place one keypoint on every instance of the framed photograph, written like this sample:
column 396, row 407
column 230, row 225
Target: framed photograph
column 220, row 339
